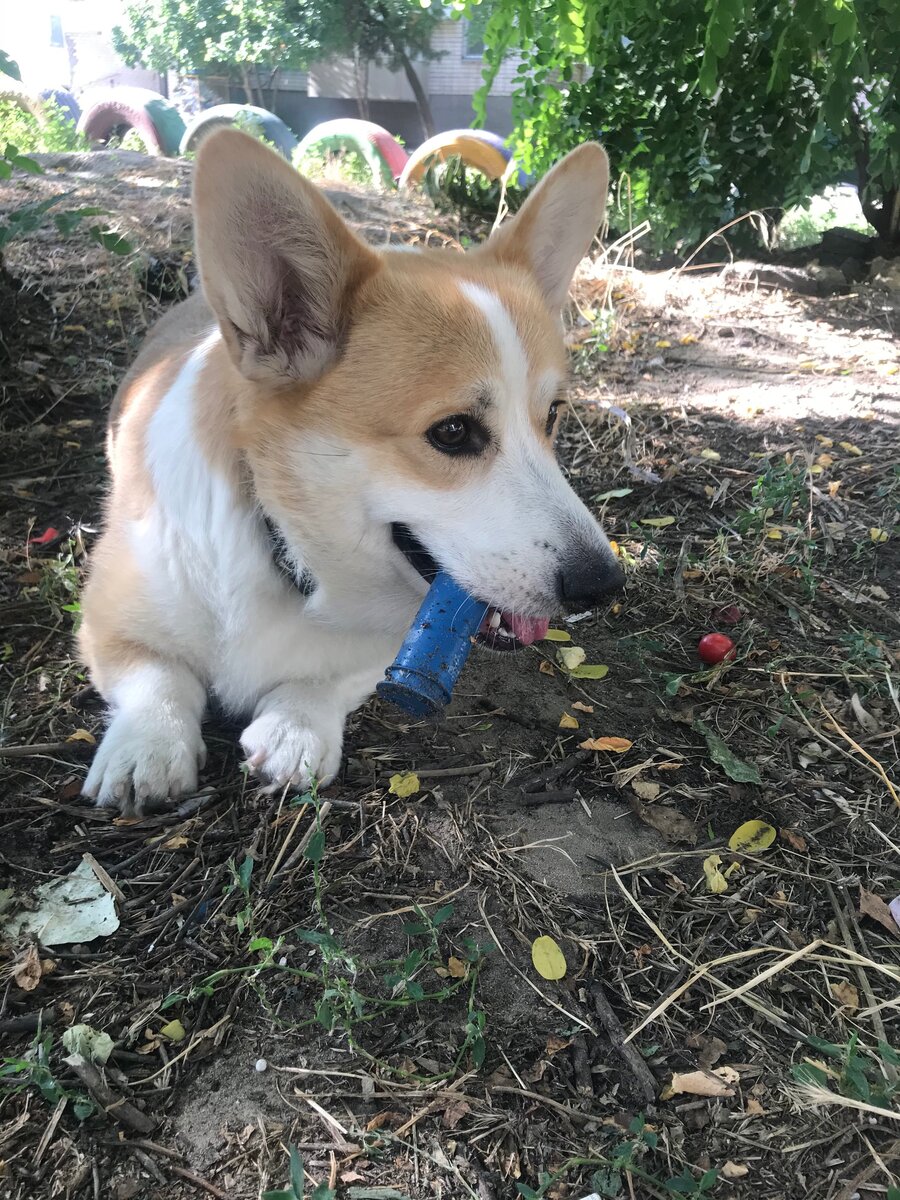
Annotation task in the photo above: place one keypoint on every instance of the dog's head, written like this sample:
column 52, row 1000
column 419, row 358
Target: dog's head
column 399, row 409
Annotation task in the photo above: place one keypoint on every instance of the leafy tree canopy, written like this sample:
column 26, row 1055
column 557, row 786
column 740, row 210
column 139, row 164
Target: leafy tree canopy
column 710, row 108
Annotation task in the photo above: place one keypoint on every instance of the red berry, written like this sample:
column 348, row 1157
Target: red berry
column 729, row 615
column 715, row 648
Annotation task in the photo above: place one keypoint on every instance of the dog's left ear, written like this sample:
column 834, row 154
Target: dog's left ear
column 279, row 266
column 553, row 229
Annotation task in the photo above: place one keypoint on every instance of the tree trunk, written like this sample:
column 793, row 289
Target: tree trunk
column 361, row 81
column 422, row 102
column 885, row 218
column 245, row 83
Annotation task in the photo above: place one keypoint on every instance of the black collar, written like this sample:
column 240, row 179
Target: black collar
column 306, row 584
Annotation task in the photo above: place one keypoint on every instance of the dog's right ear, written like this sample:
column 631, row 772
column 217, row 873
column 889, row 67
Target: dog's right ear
column 279, row 267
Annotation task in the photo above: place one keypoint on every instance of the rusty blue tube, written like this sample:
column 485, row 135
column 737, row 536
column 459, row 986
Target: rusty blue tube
column 422, row 676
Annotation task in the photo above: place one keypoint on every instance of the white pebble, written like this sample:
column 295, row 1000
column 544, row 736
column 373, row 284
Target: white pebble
column 261, row 1065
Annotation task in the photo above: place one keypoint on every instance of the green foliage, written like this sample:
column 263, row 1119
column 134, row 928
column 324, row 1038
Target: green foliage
column 34, row 1071
column 870, row 1077
column 28, row 217
column 294, row 1190
column 711, row 108
column 347, row 166
column 452, row 185
column 8, row 66
column 54, row 133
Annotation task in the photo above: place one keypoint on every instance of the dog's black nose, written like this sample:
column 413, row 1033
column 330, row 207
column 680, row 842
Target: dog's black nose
column 586, row 577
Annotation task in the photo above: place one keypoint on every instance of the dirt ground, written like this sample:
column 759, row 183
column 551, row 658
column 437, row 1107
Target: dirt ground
column 352, row 975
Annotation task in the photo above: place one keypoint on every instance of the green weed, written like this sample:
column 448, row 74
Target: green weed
column 55, row 132
column 295, row 1190
column 853, row 1072
column 34, row 1071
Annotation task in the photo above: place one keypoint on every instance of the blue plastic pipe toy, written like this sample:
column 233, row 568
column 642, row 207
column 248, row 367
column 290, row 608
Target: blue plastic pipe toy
column 422, row 676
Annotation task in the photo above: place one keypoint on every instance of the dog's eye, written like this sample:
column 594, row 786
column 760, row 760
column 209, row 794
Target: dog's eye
column 458, row 435
column 552, row 414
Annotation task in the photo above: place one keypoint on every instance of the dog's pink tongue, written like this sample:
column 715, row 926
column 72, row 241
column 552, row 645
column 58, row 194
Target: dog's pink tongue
column 527, row 629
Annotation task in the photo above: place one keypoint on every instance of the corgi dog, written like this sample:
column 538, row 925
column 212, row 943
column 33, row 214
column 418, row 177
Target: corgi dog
column 300, row 445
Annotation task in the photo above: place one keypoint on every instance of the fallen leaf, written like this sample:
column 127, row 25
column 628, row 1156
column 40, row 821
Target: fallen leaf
column 663, row 344
column 546, row 668
column 615, row 745
column 727, row 1074
column 613, row 494
column 734, row 767
column 878, row 535
column 456, row 968
column 549, row 961
column 794, row 839
column 645, row 788
column 567, row 721
column 687, row 340
column 850, row 448
column 715, row 880
column 696, row 1083
column 871, row 905
column 668, row 821
column 585, row 708
column 454, row 1113
column 894, row 908
column 590, row 671
column 571, row 656
column 26, row 970
column 405, row 784
column 834, row 486
column 732, row 1170
column 555, row 1044
column 82, row 735
column 669, row 766
column 177, row 842
column 658, row 522
column 89, row 1043
column 774, row 535
column 753, row 1108
column 846, row 994
column 825, row 460
column 557, row 635
column 823, row 440
column 49, row 535
column 709, row 1049
column 174, row 1031
column 711, row 455
column 752, row 837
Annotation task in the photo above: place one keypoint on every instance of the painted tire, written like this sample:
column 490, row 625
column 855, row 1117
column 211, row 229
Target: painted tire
column 272, row 128
column 477, row 148
column 152, row 116
column 384, row 155
column 65, row 102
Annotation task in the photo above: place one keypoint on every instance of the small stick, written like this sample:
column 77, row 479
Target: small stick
column 111, row 1102
column 39, row 748
column 104, row 877
column 643, row 1076
column 192, row 1177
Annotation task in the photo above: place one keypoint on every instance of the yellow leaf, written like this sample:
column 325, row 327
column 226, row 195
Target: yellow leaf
column 715, row 880
column 774, row 535
column 658, row 522
column 557, row 635
column 546, row 668
column 571, row 656
column 687, row 340
column 816, row 469
column 850, row 448
column 662, row 344
column 834, row 486
column 845, row 994
column 176, row 842
column 174, row 1031
column 456, row 968
column 825, row 460
column 712, row 455
column 615, row 745
column 567, row 721
column 824, row 441
column 82, row 735
column 585, row 708
column 614, row 545
column 549, row 961
column 878, row 535
column 404, row 784
column 752, row 837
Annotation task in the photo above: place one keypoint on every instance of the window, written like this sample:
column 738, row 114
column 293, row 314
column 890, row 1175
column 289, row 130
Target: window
column 56, row 32
column 473, row 33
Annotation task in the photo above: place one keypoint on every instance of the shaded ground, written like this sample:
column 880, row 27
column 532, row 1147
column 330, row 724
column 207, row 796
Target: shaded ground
column 767, row 427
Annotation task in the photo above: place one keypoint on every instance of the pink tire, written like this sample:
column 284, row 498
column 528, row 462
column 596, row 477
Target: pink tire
column 112, row 110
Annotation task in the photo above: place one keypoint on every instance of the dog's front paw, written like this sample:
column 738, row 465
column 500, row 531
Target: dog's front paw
column 285, row 748
column 144, row 758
